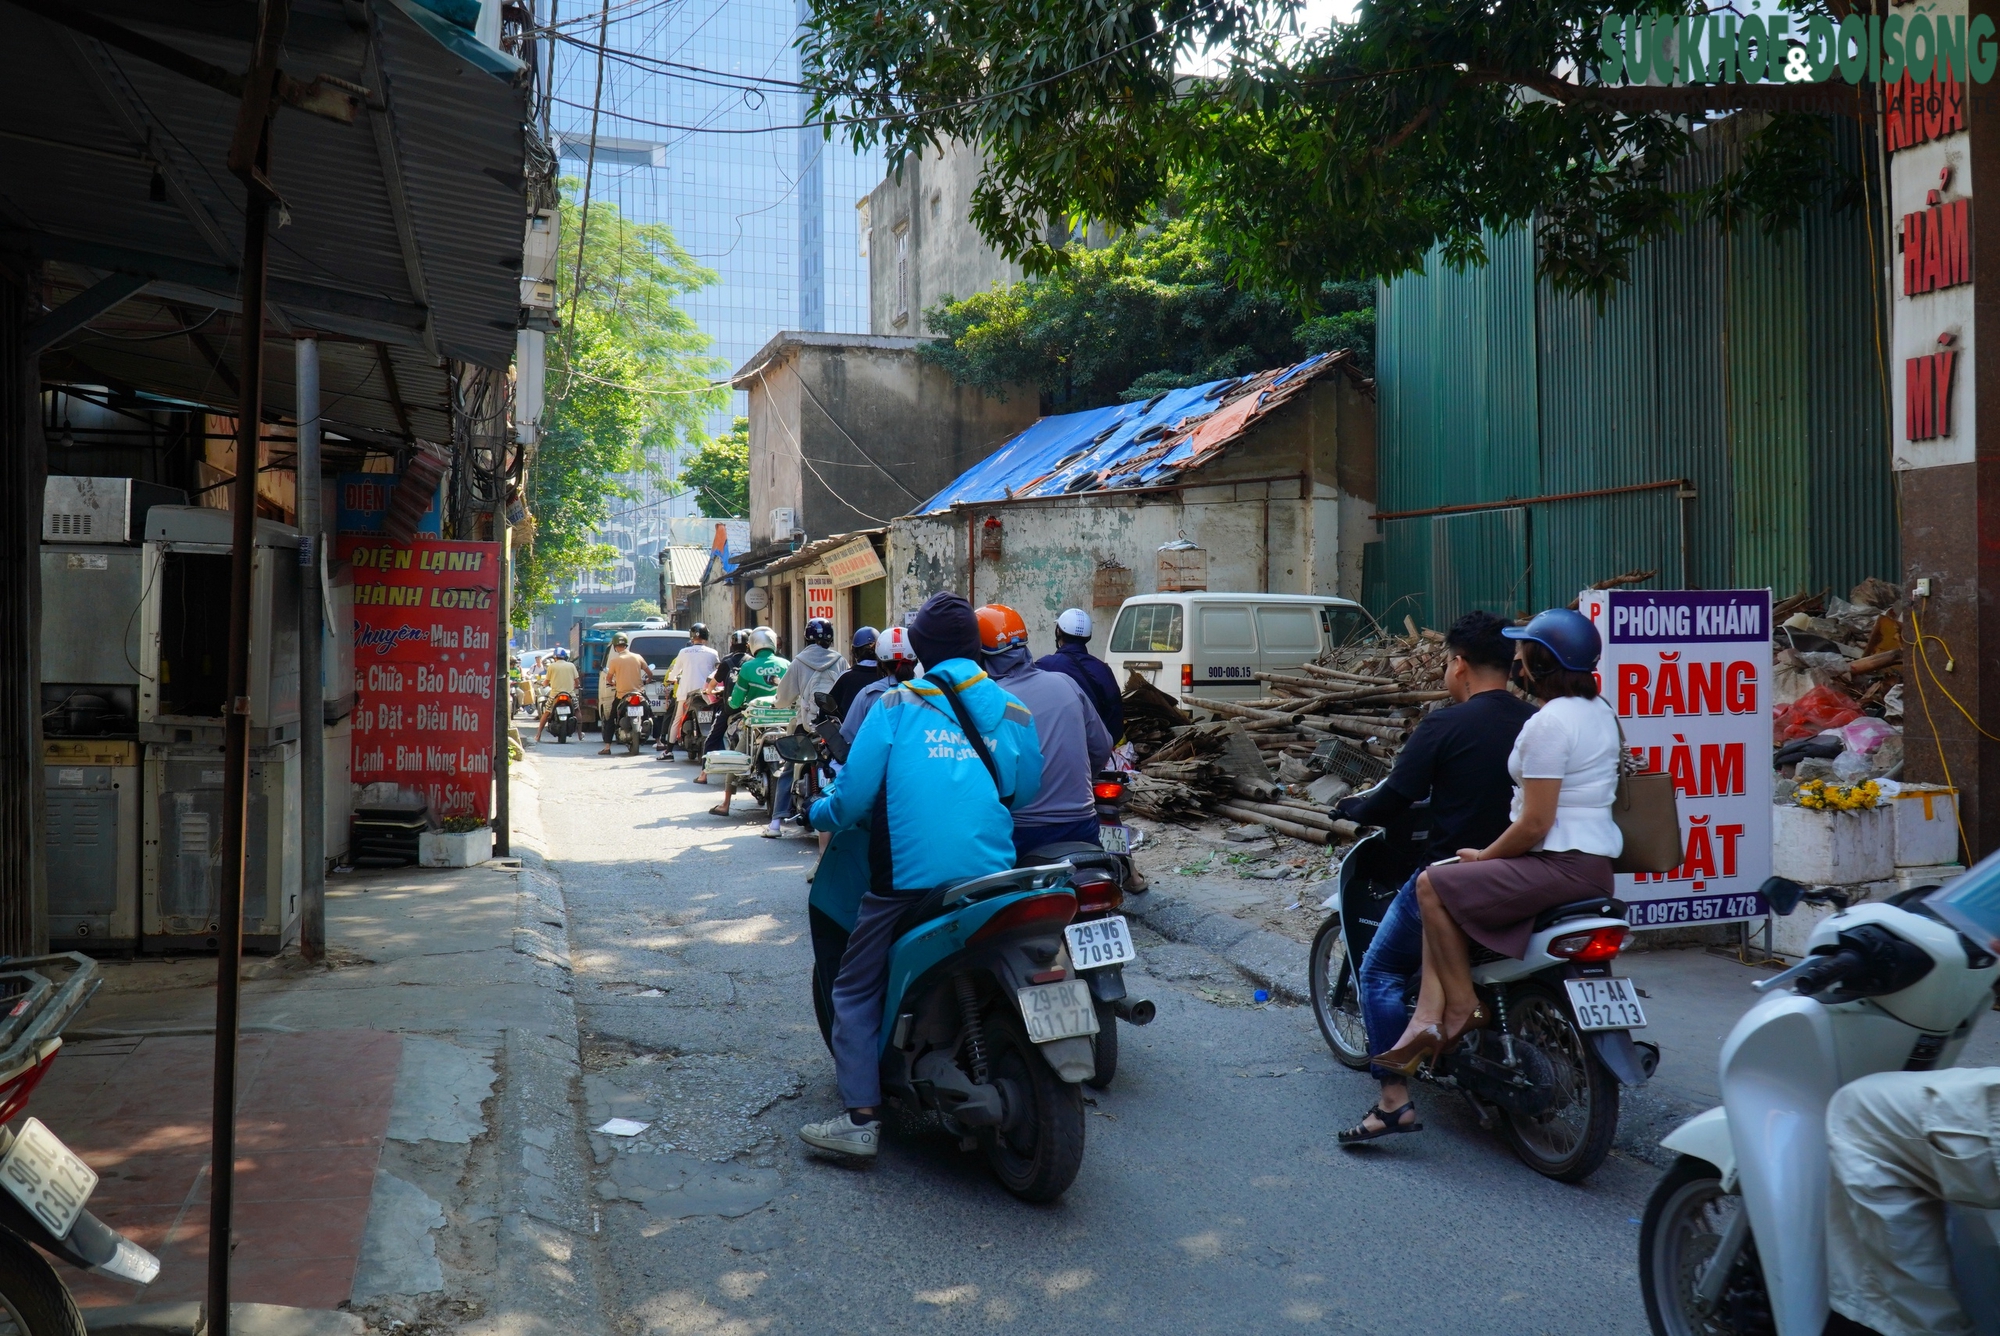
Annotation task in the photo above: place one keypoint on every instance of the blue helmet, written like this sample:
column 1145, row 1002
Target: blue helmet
column 864, row 637
column 1565, row 633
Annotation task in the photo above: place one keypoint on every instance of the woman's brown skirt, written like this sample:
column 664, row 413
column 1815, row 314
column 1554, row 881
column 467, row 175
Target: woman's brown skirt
column 1496, row 899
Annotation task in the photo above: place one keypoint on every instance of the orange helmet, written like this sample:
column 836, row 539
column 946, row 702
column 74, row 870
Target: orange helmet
column 1000, row 627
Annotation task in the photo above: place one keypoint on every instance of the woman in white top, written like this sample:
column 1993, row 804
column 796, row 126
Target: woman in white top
column 1558, row 849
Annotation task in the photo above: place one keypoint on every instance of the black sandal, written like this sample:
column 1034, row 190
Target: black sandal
column 1391, row 1120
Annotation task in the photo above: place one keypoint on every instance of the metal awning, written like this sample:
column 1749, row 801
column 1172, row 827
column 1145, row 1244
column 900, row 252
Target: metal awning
column 399, row 244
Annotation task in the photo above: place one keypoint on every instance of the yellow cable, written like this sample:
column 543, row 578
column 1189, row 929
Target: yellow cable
column 1957, row 816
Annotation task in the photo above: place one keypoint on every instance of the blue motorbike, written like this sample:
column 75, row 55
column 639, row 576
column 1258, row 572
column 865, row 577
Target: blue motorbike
column 986, row 1026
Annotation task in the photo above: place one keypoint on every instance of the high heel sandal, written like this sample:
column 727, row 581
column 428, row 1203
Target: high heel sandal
column 1404, row 1059
column 1478, row 1020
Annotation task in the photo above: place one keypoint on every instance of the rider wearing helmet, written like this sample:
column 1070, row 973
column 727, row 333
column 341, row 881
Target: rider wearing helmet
column 1557, row 849
column 1074, row 743
column 816, row 669
column 1074, row 660
column 898, row 664
column 623, row 673
column 691, row 669
column 724, row 685
column 865, row 670
column 561, row 675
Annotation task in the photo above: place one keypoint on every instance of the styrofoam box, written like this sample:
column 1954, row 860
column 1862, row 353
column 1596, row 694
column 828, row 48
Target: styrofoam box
column 436, row 848
column 1832, row 848
column 1926, row 825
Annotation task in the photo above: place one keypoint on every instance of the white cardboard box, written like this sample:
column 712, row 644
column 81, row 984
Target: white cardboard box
column 1926, row 825
column 437, row 849
column 1832, row 848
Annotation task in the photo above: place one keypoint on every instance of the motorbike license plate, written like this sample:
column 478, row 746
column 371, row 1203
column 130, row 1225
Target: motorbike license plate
column 47, row 1177
column 1099, row 942
column 1115, row 839
column 636, row 711
column 1605, row 1004
column 562, row 711
column 1058, row 1010
column 771, row 755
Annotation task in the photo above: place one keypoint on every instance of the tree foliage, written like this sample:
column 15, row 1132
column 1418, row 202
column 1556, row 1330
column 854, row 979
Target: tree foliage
column 1345, row 153
column 719, row 473
column 1152, row 311
column 627, row 389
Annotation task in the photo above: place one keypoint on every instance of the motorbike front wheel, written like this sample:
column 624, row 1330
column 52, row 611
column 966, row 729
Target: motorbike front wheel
column 1336, row 997
column 1037, row 1154
column 1570, row 1140
column 33, row 1299
column 1686, row 1219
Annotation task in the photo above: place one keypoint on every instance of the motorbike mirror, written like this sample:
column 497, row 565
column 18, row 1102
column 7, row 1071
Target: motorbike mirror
column 1782, row 894
column 823, row 699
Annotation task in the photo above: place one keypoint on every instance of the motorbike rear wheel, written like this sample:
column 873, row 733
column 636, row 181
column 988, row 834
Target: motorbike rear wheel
column 1336, row 997
column 1686, row 1218
column 33, row 1299
column 1037, row 1156
column 1105, row 1042
column 1570, row 1141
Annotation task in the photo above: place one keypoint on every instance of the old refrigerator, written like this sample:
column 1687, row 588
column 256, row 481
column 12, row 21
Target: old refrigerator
column 182, row 886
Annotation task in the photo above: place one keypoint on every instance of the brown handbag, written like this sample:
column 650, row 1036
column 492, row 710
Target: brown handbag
column 1647, row 811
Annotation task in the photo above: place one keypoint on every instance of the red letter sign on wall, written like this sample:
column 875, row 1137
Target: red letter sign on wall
column 1927, row 395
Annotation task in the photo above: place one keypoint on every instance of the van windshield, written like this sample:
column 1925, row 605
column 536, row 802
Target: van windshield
column 1344, row 626
column 1148, row 628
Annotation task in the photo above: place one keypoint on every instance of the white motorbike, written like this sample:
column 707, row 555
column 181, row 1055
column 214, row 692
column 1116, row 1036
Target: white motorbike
column 1734, row 1237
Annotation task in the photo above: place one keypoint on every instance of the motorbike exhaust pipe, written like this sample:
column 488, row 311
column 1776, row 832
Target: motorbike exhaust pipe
column 1134, row 1011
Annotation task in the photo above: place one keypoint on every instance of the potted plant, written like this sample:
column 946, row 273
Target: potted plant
column 464, row 841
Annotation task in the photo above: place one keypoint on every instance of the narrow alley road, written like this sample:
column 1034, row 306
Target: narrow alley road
column 1212, row 1197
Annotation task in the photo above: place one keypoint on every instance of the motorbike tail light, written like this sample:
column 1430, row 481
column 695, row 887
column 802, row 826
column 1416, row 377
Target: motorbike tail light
column 14, row 1092
column 1040, row 911
column 1108, row 790
column 635, row 699
column 1097, row 894
column 1590, row 947
column 1187, row 677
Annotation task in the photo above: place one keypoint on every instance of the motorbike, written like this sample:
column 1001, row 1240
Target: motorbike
column 562, row 716
column 1100, row 943
column 987, row 1027
column 1547, row 1072
column 1733, row 1239
column 47, row 1186
column 635, row 716
column 693, row 739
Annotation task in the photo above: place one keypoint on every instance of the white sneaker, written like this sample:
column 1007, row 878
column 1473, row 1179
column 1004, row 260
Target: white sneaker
column 842, row 1136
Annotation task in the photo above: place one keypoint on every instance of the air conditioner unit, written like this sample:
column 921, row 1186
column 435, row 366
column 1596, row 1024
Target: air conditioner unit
column 784, row 522
column 181, row 894
column 101, row 510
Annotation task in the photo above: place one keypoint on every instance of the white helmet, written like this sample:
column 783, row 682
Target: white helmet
column 893, row 646
column 761, row 638
column 1074, row 622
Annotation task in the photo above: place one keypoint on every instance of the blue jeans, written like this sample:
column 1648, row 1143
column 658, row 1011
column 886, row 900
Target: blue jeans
column 860, row 990
column 1395, row 957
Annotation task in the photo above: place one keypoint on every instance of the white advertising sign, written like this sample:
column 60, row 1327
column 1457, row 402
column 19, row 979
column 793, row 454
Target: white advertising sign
column 819, row 597
column 1689, row 672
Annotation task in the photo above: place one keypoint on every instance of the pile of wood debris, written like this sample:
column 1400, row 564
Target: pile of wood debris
column 1252, row 760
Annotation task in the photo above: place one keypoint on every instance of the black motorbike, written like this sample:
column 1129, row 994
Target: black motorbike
column 1547, row 1072
column 562, row 716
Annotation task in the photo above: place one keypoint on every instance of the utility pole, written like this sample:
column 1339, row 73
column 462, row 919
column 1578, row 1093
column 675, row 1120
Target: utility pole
column 312, row 728
column 503, row 706
column 249, row 161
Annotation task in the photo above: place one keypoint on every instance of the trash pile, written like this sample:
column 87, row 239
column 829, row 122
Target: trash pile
column 1318, row 732
column 1837, row 693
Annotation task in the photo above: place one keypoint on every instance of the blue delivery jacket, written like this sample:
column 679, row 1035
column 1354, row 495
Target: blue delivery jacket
column 946, row 822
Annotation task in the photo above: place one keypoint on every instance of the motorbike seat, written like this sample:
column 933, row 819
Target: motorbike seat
column 932, row 904
column 1074, row 852
column 922, row 910
column 1598, row 906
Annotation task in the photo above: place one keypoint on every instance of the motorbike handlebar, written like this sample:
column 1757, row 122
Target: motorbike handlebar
column 1825, row 971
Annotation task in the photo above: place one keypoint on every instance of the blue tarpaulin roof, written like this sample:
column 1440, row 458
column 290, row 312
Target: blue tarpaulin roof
column 1135, row 445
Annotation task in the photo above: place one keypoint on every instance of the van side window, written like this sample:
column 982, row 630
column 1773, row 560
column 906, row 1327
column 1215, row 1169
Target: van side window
column 1227, row 629
column 1148, row 628
column 1343, row 626
column 1288, row 630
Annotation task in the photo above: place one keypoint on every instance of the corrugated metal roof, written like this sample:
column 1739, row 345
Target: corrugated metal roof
column 1133, row 445
column 687, row 564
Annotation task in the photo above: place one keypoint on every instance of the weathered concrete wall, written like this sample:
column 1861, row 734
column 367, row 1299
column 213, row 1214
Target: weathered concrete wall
column 922, row 245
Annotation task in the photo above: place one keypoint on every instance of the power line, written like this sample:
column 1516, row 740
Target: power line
column 589, row 174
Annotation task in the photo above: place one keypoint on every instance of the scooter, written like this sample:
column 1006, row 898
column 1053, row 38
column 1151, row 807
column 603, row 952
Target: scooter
column 1734, row 1236
column 562, row 716
column 634, row 716
column 987, row 1026
column 1547, row 1072
column 46, row 1185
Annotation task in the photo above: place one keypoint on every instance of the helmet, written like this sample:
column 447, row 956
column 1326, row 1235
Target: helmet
column 864, row 637
column 819, row 631
column 1074, row 622
column 762, row 638
column 1565, row 633
column 739, row 640
column 562, row 654
column 619, row 640
column 893, row 646
column 699, row 631
column 1000, row 627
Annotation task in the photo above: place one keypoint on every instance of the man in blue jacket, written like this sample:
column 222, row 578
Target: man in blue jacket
column 913, row 773
column 1074, row 660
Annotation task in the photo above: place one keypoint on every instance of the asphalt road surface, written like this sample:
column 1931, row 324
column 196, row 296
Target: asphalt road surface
column 1213, row 1197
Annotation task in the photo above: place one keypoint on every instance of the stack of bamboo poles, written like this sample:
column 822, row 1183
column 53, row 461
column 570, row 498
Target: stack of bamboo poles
column 1304, row 708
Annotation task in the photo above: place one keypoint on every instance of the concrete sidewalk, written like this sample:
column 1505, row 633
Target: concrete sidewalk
column 1221, row 896
column 410, row 1145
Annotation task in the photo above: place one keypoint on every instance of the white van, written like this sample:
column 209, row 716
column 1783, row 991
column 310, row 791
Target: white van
column 1211, row 644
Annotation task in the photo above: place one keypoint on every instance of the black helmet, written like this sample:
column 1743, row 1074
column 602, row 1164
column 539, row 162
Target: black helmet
column 819, row 631
column 864, row 637
column 699, row 631
column 739, row 640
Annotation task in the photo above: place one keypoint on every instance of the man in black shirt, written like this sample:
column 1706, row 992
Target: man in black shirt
column 1458, row 759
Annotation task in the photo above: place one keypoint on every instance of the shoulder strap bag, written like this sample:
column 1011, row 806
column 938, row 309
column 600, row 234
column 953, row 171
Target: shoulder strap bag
column 1647, row 811
column 949, row 691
